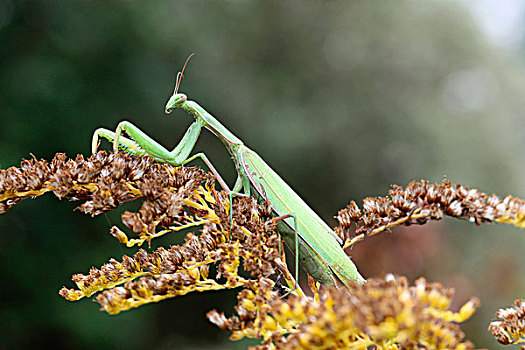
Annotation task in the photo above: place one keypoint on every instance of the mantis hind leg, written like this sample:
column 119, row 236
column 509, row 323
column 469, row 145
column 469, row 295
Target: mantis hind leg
column 296, row 244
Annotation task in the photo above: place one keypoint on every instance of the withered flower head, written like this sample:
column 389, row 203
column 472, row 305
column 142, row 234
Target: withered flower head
column 420, row 202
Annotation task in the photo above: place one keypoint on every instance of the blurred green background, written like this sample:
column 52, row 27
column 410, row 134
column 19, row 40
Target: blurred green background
column 341, row 98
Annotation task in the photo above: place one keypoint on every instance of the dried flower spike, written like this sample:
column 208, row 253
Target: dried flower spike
column 420, row 202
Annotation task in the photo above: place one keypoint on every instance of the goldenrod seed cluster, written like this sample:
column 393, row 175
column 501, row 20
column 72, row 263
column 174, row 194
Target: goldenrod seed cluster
column 420, row 202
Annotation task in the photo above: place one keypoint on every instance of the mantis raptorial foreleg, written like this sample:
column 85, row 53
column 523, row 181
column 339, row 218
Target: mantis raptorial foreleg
column 126, row 144
column 296, row 250
column 141, row 144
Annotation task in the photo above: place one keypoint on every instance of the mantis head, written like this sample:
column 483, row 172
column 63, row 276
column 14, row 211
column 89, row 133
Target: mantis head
column 175, row 101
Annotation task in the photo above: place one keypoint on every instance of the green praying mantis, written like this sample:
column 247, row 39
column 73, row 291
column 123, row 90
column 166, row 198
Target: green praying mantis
column 316, row 246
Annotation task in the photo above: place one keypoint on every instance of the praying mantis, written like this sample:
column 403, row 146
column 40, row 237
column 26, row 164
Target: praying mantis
column 316, row 246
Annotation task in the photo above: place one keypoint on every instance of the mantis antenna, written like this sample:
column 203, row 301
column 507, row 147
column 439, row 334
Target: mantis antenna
column 180, row 74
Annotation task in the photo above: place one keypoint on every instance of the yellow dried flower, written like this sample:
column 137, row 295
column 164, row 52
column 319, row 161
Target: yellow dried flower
column 385, row 313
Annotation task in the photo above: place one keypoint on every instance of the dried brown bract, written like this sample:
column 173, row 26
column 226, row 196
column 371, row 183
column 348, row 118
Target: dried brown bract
column 420, row 202
column 509, row 328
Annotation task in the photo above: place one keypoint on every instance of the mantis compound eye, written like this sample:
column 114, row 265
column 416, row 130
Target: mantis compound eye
column 175, row 101
column 180, row 99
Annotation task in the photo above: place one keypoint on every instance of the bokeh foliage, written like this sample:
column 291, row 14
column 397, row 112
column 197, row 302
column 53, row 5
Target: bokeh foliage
column 341, row 98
